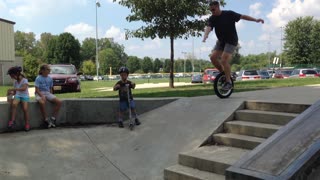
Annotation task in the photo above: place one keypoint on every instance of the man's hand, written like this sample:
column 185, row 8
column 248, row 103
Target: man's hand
column 260, row 20
column 206, row 33
column 133, row 85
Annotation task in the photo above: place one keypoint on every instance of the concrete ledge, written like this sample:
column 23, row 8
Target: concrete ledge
column 288, row 154
column 78, row 111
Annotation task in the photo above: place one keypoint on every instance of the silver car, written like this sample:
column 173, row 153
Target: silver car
column 245, row 75
column 304, row 73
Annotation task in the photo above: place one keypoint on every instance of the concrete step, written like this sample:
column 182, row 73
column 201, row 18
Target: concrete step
column 214, row 159
column 179, row 172
column 276, row 107
column 269, row 117
column 237, row 140
column 251, row 128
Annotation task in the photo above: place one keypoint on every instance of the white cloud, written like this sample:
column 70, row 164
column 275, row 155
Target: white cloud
column 152, row 44
column 255, row 9
column 240, row 25
column 284, row 11
column 81, row 30
column 115, row 33
column 287, row 10
column 30, row 9
column 3, row 5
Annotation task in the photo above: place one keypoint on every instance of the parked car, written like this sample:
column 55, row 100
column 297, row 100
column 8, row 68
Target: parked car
column 209, row 75
column 196, row 78
column 65, row 78
column 282, row 73
column 245, row 75
column 264, row 74
column 271, row 73
column 303, row 73
column 88, row 77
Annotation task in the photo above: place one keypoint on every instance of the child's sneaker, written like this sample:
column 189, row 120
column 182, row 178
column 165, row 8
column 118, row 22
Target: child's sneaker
column 137, row 122
column 53, row 121
column 48, row 123
column 11, row 124
column 27, row 127
column 120, row 123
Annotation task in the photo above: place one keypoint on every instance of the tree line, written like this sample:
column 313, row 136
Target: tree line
column 301, row 47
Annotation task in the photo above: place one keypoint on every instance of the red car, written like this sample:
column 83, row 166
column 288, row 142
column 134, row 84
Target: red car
column 209, row 75
column 282, row 74
column 65, row 78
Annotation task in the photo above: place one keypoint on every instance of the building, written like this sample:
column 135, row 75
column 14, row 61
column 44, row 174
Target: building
column 7, row 50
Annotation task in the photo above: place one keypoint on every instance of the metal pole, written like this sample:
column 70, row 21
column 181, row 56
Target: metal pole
column 97, row 50
column 281, row 50
column 184, row 68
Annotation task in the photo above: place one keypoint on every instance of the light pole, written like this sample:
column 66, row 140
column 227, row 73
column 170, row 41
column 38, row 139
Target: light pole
column 97, row 49
column 184, row 64
column 281, row 48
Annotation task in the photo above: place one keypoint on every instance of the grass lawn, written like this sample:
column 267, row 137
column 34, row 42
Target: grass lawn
column 93, row 89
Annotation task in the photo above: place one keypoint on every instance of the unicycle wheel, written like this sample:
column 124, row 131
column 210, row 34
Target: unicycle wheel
column 217, row 86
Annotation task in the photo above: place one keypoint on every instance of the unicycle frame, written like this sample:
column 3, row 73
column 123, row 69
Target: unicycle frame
column 217, row 86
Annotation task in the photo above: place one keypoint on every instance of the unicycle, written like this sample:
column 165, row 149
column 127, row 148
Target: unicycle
column 131, row 121
column 217, row 86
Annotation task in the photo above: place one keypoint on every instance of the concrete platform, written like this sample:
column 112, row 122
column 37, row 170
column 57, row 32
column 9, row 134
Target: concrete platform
column 107, row 152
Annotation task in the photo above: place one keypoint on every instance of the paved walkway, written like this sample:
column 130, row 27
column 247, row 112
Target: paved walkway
column 108, row 152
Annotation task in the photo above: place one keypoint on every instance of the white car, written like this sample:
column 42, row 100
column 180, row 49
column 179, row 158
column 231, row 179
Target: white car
column 245, row 75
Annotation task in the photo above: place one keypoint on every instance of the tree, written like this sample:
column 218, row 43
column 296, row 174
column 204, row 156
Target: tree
column 166, row 66
column 88, row 67
column 88, row 49
column 107, row 59
column 302, row 40
column 133, row 64
column 167, row 19
column 31, row 66
column 146, row 65
column 68, row 49
column 236, row 56
column 24, row 43
column 157, row 65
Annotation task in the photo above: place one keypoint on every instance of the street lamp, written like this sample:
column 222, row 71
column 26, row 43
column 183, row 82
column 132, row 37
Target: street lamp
column 184, row 68
column 97, row 49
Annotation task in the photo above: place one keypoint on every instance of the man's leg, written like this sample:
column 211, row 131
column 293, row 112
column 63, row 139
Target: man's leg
column 225, row 61
column 214, row 60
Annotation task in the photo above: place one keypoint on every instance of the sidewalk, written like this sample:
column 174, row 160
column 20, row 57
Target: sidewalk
column 104, row 151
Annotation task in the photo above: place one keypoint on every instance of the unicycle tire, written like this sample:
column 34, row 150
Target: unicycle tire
column 217, row 86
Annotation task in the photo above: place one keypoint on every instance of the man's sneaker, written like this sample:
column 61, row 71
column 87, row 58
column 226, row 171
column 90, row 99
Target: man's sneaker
column 53, row 121
column 120, row 123
column 137, row 121
column 226, row 86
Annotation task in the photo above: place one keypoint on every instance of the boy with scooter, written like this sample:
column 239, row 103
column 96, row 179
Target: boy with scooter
column 126, row 101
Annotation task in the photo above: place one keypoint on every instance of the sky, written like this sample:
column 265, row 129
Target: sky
column 79, row 18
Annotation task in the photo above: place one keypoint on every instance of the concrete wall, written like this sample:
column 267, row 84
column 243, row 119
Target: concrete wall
column 78, row 111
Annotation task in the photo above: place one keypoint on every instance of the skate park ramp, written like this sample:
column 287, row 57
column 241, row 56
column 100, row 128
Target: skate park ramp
column 108, row 152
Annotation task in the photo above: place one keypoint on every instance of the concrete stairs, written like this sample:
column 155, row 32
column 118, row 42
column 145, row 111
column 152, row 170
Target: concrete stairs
column 249, row 127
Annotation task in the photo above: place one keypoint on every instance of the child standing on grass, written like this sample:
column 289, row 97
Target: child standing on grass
column 44, row 92
column 123, row 86
column 21, row 95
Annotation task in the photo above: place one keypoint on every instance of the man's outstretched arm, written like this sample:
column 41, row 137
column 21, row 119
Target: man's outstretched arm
column 206, row 33
column 249, row 18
